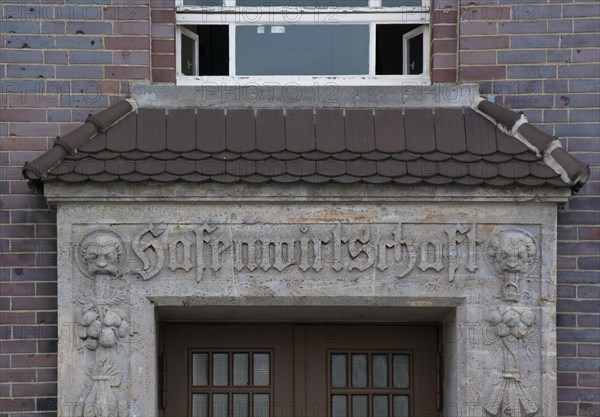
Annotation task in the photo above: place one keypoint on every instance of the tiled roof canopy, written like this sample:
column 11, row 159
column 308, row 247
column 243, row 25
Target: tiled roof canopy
column 406, row 146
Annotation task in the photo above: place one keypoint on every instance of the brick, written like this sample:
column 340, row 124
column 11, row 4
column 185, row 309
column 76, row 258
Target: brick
column 522, row 27
column 477, row 57
column 127, row 43
column 23, row 332
column 444, row 16
column 586, row 55
column 131, row 28
column 127, row 72
column 33, row 361
column 80, row 72
column 79, row 42
column 17, row 346
column 447, row 46
column 165, row 16
column 588, row 409
column 579, row 41
column 560, row 26
column 45, row 231
column 56, row 57
column 21, row 56
column 33, row 129
column 566, row 349
column 527, row 13
column 566, row 409
column 90, row 57
column 534, row 41
column 53, row 28
column 70, row 13
column 567, row 379
column 553, row 116
column 165, row 47
column 46, row 404
column 17, row 231
column 46, row 288
column 484, row 42
column 575, row 306
column 89, row 28
column 18, row 404
column 588, row 320
column 84, row 100
column 163, row 75
column 32, row 390
column 17, row 317
column 588, row 350
column 47, row 346
column 579, row 394
column 28, row 41
column 162, row 31
column 131, row 58
column 19, row 26
column 579, row 71
column 573, row 364
column 588, row 291
column 122, row 13
column 22, row 115
column 443, row 75
column 16, row 289
column 578, row 129
column 492, row 13
column 482, row 72
column 584, row 86
column 521, row 57
column 581, row 10
column 30, row 71
column 478, row 28
column 566, row 320
column 586, row 25
column 45, row 375
column 168, row 61
column 34, row 303
column 559, row 55
column 589, row 233
column 531, row 71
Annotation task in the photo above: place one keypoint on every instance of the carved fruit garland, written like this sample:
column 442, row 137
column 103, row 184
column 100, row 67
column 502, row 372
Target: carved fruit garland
column 102, row 324
column 510, row 397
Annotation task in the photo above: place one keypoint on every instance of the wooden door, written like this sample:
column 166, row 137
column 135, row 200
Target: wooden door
column 298, row 370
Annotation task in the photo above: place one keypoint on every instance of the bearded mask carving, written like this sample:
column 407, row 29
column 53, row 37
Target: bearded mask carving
column 511, row 253
column 102, row 253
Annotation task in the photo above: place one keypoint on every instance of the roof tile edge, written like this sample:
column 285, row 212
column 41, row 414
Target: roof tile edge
column 37, row 169
column 548, row 148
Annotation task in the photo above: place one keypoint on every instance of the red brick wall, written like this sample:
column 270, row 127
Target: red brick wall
column 62, row 59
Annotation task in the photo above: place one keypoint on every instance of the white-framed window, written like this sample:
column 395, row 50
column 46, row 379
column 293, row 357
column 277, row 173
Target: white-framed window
column 367, row 42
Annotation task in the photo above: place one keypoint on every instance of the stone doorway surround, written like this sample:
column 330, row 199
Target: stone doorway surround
column 365, row 212
column 481, row 261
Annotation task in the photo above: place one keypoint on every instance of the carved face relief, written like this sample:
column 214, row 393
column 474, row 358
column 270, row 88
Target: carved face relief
column 511, row 251
column 101, row 252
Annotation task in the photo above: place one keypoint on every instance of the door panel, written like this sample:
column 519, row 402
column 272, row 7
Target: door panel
column 285, row 370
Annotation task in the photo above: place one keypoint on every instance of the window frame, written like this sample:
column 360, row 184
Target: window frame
column 234, row 16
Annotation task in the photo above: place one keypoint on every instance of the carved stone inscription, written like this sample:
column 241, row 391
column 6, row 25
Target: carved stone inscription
column 398, row 249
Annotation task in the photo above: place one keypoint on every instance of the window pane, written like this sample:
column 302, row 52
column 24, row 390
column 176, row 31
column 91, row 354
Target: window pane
column 415, row 55
column 359, row 370
column 261, row 407
column 400, row 3
column 338, row 406
column 380, row 369
column 400, row 406
column 240, row 369
column 380, row 406
column 302, row 50
column 401, row 371
column 304, row 3
column 219, row 405
column 200, row 405
column 220, row 369
column 360, row 406
column 200, row 369
column 240, row 405
column 213, row 49
column 261, row 369
column 338, row 370
column 388, row 48
column 202, row 2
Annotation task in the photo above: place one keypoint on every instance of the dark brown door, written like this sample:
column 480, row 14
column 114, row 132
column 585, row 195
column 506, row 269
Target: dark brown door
column 287, row 370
